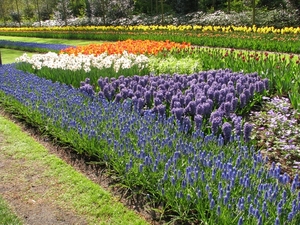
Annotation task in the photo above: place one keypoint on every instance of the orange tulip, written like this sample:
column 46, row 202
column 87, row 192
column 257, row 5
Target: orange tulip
column 131, row 46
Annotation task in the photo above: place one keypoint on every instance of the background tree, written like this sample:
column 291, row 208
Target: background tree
column 77, row 8
column 15, row 15
column 28, row 11
column 4, row 11
column 63, row 11
column 272, row 4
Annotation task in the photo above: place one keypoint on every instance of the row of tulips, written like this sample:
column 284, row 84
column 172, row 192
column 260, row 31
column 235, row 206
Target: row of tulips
column 131, row 46
column 287, row 40
column 194, row 178
column 245, row 29
column 87, row 63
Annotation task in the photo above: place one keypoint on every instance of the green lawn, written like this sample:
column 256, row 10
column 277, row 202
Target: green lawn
column 49, row 40
column 9, row 55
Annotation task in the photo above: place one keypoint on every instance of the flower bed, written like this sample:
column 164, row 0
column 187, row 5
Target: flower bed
column 282, row 70
column 31, row 46
column 190, row 175
column 265, row 38
column 179, row 139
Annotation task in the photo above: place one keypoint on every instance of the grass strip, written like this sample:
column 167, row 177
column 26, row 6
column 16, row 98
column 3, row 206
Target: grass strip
column 67, row 188
column 6, row 214
column 9, row 55
column 49, row 40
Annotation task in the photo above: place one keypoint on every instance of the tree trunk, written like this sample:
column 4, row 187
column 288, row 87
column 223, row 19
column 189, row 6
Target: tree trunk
column 18, row 11
column 162, row 11
column 65, row 13
column 253, row 12
column 38, row 11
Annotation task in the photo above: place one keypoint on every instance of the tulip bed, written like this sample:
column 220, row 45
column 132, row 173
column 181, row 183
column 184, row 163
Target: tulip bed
column 262, row 38
column 178, row 139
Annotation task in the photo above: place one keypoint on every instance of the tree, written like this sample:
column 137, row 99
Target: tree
column 78, row 7
column 112, row 9
column 63, row 10
column 16, row 16
column 4, row 10
column 272, row 4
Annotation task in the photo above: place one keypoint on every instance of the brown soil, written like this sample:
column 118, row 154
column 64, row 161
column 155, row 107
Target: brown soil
column 22, row 188
column 16, row 189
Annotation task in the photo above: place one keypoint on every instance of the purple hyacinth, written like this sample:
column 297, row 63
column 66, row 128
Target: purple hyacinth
column 216, row 95
column 124, row 93
column 178, row 112
column 243, row 100
column 234, row 104
column 198, row 121
column 199, row 109
column 157, row 101
column 101, row 83
column 186, row 124
column 229, row 97
column 140, row 103
column 88, row 89
column 227, row 108
column 247, row 94
column 147, row 97
column 192, row 108
column 118, row 97
column 226, row 130
column 206, row 108
column 106, row 92
column 101, row 95
column 177, row 104
column 168, row 96
column 215, row 124
column 161, row 109
column 247, row 131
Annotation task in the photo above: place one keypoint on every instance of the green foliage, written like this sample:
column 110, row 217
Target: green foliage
column 171, row 64
column 28, row 13
column 16, row 17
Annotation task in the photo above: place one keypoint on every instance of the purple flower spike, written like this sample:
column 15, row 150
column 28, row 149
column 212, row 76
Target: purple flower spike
column 192, row 108
column 216, row 122
column 198, row 121
column 199, row 109
column 161, row 109
column 186, row 124
column 157, row 101
column 247, row 131
column 243, row 100
column 240, row 222
column 227, row 108
column 178, row 113
column 118, row 97
column 226, row 130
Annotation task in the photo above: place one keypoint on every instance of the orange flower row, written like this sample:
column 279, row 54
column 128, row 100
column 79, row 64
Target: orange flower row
column 131, row 46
